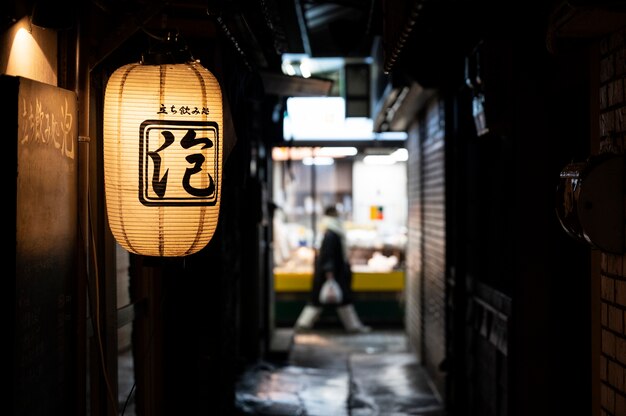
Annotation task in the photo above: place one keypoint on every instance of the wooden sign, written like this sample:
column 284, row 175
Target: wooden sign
column 41, row 134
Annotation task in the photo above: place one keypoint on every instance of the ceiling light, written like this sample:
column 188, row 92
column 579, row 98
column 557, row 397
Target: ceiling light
column 318, row 161
column 336, row 151
column 401, row 155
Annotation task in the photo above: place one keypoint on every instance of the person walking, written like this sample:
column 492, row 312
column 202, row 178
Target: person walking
column 332, row 262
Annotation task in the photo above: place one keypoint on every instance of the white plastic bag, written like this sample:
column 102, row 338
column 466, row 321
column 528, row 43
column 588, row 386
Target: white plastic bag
column 331, row 292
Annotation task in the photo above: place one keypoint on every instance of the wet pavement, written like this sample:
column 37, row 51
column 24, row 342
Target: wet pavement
column 330, row 373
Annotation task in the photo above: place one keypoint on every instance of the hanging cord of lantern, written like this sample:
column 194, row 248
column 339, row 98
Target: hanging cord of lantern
column 169, row 49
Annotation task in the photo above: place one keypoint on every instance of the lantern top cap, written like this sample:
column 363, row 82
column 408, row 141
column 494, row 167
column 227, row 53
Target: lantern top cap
column 168, row 50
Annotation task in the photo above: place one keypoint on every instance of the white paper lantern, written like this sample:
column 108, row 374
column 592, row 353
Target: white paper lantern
column 163, row 150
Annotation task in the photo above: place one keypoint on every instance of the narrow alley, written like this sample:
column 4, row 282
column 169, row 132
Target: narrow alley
column 329, row 372
column 190, row 176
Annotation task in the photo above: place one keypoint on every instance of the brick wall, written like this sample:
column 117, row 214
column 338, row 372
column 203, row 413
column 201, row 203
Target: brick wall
column 613, row 341
column 613, row 267
column 426, row 260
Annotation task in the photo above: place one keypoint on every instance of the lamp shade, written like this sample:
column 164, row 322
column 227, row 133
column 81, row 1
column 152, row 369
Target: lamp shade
column 163, row 150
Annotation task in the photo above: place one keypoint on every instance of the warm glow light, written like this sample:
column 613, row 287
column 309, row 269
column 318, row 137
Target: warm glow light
column 163, row 147
column 32, row 52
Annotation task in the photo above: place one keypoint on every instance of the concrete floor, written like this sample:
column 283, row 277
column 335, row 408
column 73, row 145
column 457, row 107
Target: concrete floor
column 327, row 372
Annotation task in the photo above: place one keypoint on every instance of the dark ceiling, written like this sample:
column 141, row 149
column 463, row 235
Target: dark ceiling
column 263, row 30
column 319, row 28
column 322, row 28
column 260, row 30
column 424, row 40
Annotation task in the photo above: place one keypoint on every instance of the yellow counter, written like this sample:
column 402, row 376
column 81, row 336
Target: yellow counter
column 361, row 282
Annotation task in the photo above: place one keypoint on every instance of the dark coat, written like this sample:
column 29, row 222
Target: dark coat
column 330, row 258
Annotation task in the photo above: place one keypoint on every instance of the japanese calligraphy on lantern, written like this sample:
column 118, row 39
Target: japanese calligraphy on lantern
column 163, row 179
column 183, row 110
column 163, row 152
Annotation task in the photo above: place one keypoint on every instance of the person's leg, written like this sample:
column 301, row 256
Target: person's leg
column 308, row 317
column 350, row 319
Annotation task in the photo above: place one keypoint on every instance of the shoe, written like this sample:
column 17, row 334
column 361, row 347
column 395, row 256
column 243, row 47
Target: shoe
column 351, row 321
column 363, row 329
column 307, row 318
